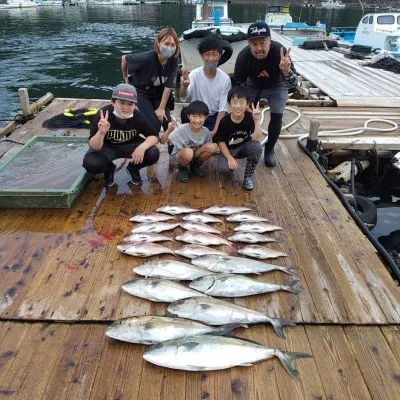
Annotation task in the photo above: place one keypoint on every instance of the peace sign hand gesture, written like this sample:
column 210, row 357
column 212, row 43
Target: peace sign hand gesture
column 285, row 63
column 103, row 124
column 256, row 111
column 185, row 80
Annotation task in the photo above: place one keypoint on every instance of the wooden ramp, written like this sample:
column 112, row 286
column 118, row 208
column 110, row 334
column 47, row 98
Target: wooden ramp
column 61, row 279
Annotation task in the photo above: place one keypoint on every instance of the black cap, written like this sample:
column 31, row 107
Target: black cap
column 258, row 30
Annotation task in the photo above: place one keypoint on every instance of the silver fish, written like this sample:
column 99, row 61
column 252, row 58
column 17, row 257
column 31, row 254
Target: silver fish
column 174, row 209
column 259, row 227
column 217, row 312
column 231, row 285
column 143, row 249
column 209, row 352
column 154, row 227
column 238, row 265
column 148, row 329
column 252, row 237
column 199, row 217
column 246, row 217
column 194, row 250
column 225, row 210
column 200, row 227
column 202, row 239
column 147, row 237
column 261, row 252
column 150, row 217
column 159, row 290
column 169, row 269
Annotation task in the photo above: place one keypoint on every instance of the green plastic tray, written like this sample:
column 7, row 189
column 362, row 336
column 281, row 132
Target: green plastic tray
column 46, row 172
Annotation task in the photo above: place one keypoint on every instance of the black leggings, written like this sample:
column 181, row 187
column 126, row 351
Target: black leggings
column 274, row 129
column 147, row 105
column 97, row 162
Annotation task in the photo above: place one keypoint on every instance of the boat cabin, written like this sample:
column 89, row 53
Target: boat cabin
column 278, row 16
column 211, row 13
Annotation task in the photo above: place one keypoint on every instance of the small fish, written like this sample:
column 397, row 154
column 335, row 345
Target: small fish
column 149, row 329
column 238, row 265
column 202, row 239
column 217, row 312
column 194, row 250
column 203, row 218
column 246, row 217
column 154, row 227
column 261, row 252
column 150, row 217
column 259, row 227
column 159, row 290
column 225, row 210
column 210, row 353
column 147, row 237
column 143, row 249
column 252, row 237
column 231, row 285
column 200, row 227
column 176, row 209
column 169, row 269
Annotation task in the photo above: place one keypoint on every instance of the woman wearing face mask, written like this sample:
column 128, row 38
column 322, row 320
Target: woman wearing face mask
column 207, row 83
column 153, row 73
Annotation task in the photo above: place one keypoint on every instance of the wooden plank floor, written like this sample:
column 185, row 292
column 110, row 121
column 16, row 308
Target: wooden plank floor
column 62, row 265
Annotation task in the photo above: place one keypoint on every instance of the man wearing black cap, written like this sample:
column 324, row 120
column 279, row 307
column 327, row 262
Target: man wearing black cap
column 264, row 67
column 120, row 131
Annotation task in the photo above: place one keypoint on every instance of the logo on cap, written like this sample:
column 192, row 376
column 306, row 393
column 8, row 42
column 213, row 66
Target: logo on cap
column 255, row 30
column 125, row 93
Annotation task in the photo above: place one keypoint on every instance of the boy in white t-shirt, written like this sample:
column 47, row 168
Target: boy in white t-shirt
column 192, row 142
column 207, row 83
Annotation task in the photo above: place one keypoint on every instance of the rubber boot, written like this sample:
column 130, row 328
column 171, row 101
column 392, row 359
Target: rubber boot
column 248, row 183
column 196, row 168
column 183, row 174
column 274, row 129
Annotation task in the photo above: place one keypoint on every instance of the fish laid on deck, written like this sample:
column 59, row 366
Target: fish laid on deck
column 208, row 352
column 225, row 210
column 148, row 329
column 151, row 217
column 159, row 290
column 246, row 217
column 176, row 209
column 203, row 218
column 231, row 285
column 252, row 237
column 195, row 250
column 154, row 227
column 147, row 237
column 258, row 227
column 261, row 252
column 143, row 249
column 217, row 312
column 200, row 227
column 238, row 265
column 203, row 239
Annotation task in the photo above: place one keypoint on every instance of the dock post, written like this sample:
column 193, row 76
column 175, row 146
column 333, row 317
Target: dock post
column 312, row 139
column 24, row 100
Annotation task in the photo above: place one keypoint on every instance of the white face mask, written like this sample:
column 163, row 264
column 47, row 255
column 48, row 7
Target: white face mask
column 166, row 52
column 119, row 116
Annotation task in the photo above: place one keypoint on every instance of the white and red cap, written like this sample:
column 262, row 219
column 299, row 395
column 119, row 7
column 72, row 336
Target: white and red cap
column 125, row 92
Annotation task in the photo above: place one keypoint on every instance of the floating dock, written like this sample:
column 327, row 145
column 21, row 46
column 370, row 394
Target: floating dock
column 61, row 278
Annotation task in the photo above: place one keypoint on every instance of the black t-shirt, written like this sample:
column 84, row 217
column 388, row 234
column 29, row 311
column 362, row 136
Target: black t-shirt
column 262, row 74
column 144, row 68
column 131, row 130
column 233, row 134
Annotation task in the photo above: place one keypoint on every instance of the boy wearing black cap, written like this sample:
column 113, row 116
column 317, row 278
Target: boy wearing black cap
column 264, row 66
column 120, row 131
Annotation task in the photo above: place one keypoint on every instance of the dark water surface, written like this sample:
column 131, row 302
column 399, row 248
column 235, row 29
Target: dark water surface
column 76, row 51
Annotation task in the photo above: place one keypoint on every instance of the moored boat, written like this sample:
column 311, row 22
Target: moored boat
column 8, row 4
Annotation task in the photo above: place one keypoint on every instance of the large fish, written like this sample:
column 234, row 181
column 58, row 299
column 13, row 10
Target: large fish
column 238, row 265
column 259, row 227
column 150, row 217
column 204, row 239
column 200, row 227
column 225, row 210
column 203, row 218
column 169, row 269
column 252, row 237
column 174, row 209
column 147, row 237
column 246, row 217
column 143, row 249
column 195, row 250
column 209, row 352
column 217, row 312
column 261, row 252
column 231, row 285
column 148, row 329
column 154, row 227
column 159, row 290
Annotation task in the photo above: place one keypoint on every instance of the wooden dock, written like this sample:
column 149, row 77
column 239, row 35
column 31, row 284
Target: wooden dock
column 62, row 276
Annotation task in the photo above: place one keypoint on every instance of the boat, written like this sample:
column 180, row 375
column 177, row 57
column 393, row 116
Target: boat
column 380, row 31
column 332, row 4
column 17, row 4
column 47, row 3
column 278, row 18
